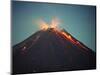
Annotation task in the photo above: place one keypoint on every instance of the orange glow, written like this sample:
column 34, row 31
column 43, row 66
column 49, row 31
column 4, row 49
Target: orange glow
column 72, row 40
column 43, row 25
column 54, row 23
column 67, row 36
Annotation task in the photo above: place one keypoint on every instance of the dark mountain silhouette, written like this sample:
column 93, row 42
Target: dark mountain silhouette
column 52, row 50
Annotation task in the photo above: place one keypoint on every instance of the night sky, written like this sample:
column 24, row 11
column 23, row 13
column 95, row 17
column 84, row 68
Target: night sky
column 78, row 20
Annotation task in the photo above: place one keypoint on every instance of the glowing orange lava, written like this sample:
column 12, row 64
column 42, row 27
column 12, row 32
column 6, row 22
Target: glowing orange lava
column 54, row 23
column 44, row 26
column 68, row 37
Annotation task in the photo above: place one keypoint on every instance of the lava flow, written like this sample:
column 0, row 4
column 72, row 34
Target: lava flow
column 55, row 26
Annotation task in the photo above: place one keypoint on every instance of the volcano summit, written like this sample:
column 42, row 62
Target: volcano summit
column 50, row 50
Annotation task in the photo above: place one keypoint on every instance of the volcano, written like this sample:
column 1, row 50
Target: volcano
column 51, row 50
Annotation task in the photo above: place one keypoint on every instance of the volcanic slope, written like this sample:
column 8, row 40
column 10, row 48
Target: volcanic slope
column 51, row 50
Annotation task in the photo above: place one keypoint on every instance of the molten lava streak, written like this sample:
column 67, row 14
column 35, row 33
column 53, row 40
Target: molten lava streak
column 75, row 42
column 68, row 37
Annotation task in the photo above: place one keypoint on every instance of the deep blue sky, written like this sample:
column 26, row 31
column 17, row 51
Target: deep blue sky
column 78, row 20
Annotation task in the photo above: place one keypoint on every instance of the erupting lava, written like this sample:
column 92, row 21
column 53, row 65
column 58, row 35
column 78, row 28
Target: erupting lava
column 44, row 26
column 55, row 25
